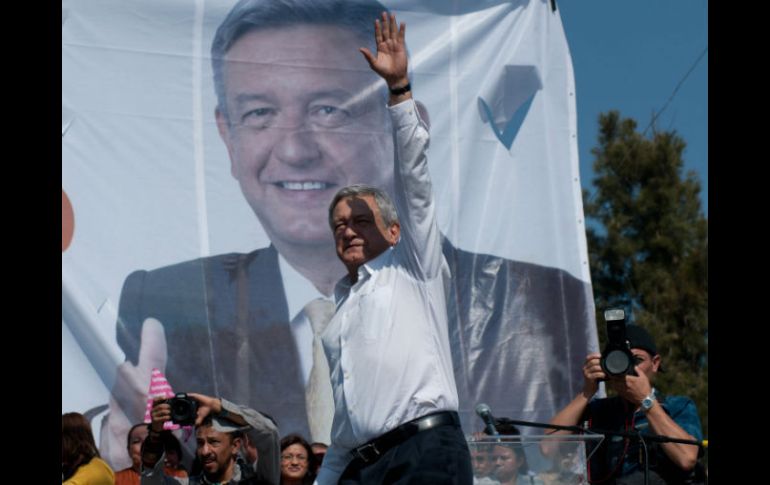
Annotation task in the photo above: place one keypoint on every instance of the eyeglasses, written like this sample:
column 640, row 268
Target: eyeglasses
column 290, row 457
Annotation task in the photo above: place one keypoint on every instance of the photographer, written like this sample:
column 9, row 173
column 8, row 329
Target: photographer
column 219, row 431
column 638, row 407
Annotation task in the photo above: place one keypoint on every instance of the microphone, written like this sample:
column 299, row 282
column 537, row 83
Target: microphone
column 486, row 415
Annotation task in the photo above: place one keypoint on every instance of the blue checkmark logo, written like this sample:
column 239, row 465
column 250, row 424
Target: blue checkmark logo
column 512, row 92
column 511, row 129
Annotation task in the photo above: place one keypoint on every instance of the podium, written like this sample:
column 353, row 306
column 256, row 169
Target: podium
column 532, row 459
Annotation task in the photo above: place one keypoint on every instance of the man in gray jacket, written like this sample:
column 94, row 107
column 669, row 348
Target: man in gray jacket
column 219, row 432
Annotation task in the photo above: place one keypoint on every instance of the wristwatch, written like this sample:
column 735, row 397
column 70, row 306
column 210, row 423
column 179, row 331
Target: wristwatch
column 648, row 401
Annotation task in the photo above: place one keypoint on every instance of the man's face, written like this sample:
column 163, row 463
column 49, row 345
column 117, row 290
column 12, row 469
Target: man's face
column 135, row 440
column 215, row 451
column 300, row 127
column 646, row 362
column 506, row 463
column 360, row 234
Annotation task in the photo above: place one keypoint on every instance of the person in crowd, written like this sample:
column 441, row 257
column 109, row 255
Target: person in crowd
column 319, row 451
column 80, row 460
column 509, row 461
column 136, row 436
column 249, row 453
column 566, row 468
column 637, row 407
column 173, row 450
column 481, row 458
column 509, row 464
column 130, row 475
column 219, row 429
column 298, row 461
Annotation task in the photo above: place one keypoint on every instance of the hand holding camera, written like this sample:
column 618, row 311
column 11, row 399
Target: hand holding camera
column 176, row 409
column 592, row 373
column 184, row 409
column 634, row 388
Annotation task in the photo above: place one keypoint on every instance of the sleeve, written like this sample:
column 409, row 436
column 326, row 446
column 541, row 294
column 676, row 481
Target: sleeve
column 335, row 462
column 685, row 414
column 264, row 435
column 414, row 191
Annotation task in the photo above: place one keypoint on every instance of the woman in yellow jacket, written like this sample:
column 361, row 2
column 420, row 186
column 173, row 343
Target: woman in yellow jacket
column 80, row 461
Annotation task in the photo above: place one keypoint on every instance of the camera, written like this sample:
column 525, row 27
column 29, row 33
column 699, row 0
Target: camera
column 617, row 359
column 184, row 409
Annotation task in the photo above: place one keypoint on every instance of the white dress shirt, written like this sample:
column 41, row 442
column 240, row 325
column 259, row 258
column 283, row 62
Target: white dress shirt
column 387, row 344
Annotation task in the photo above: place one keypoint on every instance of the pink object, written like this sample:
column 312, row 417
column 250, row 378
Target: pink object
column 159, row 387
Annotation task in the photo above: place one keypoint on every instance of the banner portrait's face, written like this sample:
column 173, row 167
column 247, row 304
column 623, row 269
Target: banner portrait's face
column 302, row 122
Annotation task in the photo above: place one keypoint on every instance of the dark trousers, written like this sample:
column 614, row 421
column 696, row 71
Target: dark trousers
column 436, row 456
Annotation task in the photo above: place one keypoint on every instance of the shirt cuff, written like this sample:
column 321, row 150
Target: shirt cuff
column 405, row 113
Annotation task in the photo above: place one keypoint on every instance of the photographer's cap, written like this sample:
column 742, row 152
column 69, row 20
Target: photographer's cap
column 639, row 338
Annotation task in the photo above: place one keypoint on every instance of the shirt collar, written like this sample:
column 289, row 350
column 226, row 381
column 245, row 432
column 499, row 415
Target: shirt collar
column 377, row 263
column 343, row 286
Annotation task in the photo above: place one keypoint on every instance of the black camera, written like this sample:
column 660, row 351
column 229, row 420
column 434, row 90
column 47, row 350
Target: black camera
column 617, row 359
column 184, row 409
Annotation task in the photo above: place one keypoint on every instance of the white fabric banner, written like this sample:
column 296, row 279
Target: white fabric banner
column 220, row 225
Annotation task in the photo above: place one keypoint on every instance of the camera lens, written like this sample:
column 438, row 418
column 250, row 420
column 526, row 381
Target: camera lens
column 180, row 408
column 616, row 362
column 183, row 410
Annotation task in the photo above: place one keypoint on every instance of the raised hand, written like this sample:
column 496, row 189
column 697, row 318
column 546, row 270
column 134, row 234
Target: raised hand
column 207, row 405
column 391, row 59
column 632, row 388
column 160, row 413
column 592, row 374
column 212, row 406
column 129, row 393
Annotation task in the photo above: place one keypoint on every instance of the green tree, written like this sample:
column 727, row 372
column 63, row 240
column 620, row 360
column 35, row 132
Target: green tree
column 648, row 249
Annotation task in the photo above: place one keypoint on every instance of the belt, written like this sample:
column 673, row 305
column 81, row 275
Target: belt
column 372, row 450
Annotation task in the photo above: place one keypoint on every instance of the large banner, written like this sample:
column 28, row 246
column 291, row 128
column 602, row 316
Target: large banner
column 201, row 144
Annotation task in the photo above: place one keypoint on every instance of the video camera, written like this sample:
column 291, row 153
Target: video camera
column 617, row 359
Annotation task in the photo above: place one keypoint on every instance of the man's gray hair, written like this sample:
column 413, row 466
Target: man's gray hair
column 387, row 208
column 249, row 15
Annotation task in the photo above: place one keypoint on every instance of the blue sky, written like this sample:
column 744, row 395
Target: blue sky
column 630, row 55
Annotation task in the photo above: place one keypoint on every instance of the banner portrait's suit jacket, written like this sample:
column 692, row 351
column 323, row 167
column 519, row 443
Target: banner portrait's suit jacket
column 518, row 333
